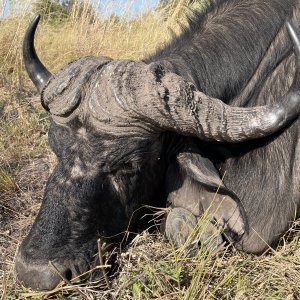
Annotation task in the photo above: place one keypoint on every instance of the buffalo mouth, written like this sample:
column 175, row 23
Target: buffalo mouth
column 42, row 274
column 46, row 275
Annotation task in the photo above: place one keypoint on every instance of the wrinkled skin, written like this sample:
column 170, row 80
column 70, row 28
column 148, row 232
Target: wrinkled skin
column 85, row 193
column 205, row 203
column 91, row 195
column 111, row 131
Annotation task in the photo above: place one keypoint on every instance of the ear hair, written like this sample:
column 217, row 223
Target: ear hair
column 199, row 169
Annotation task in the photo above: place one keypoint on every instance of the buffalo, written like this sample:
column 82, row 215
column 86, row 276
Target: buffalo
column 223, row 96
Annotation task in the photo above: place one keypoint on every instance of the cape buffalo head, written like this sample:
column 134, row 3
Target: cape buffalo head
column 109, row 131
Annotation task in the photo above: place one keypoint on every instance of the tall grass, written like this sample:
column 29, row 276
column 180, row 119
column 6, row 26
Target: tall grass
column 151, row 268
column 83, row 31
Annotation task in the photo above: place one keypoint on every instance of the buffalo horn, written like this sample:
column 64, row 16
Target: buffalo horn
column 190, row 112
column 35, row 69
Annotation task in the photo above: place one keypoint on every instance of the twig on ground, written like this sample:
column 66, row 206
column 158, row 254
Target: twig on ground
column 99, row 242
column 65, row 279
column 102, row 263
column 4, row 285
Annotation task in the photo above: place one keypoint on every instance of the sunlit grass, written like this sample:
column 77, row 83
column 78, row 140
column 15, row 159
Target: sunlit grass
column 82, row 33
column 7, row 183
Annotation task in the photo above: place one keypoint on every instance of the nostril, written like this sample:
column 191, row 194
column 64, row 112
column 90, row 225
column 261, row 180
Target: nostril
column 36, row 275
column 68, row 274
column 40, row 275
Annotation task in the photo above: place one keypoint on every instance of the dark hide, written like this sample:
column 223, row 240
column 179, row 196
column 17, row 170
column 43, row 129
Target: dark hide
column 93, row 177
column 223, row 45
column 237, row 51
column 242, row 51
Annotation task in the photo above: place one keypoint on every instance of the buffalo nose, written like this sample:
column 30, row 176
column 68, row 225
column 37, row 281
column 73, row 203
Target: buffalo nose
column 40, row 276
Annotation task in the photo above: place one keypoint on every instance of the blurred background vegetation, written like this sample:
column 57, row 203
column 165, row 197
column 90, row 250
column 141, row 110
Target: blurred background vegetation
column 73, row 28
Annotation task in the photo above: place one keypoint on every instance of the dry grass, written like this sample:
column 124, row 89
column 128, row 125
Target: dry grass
column 149, row 268
column 81, row 34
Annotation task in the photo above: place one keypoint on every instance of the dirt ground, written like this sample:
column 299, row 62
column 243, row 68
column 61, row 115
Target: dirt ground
column 17, row 213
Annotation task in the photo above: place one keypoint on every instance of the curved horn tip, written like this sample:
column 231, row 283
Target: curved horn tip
column 34, row 67
column 35, row 22
column 36, row 19
column 295, row 37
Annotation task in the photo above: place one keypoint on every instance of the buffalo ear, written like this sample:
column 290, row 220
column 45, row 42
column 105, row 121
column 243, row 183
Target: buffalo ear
column 194, row 163
column 198, row 186
column 202, row 170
